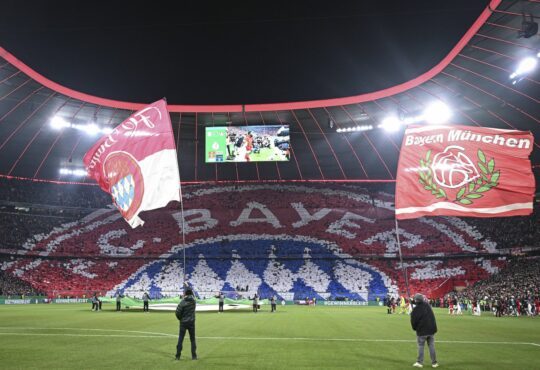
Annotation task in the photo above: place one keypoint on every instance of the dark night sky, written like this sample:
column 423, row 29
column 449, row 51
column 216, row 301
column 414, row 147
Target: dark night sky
column 233, row 52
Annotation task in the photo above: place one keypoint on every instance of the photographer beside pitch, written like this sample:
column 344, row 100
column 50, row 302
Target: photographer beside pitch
column 423, row 322
column 185, row 313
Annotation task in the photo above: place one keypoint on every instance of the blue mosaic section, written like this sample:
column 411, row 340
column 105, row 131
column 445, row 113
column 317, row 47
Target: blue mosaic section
column 312, row 266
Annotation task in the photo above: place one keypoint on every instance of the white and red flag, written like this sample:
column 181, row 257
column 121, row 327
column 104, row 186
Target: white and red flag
column 464, row 171
column 137, row 163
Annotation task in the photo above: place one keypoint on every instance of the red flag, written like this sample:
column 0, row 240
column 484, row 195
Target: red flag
column 464, row 171
column 137, row 163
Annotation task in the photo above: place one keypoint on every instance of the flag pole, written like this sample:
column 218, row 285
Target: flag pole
column 183, row 230
column 182, row 214
column 403, row 268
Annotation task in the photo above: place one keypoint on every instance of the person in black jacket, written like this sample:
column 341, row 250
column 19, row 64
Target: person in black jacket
column 145, row 298
column 94, row 301
column 118, row 301
column 185, row 313
column 221, row 298
column 423, row 322
column 255, row 302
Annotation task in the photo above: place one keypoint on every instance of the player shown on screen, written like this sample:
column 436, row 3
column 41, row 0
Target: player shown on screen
column 230, row 145
column 249, row 145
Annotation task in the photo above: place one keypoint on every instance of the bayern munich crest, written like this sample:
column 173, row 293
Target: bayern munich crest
column 453, row 169
column 126, row 182
column 123, row 192
column 291, row 240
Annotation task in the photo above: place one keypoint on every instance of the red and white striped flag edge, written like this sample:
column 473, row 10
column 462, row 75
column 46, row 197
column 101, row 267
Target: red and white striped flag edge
column 137, row 163
column 464, row 171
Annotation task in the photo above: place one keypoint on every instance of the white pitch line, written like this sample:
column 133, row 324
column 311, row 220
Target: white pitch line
column 367, row 340
column 90, row 329
column 166, row 335
column 473, row 342
column 82, row 335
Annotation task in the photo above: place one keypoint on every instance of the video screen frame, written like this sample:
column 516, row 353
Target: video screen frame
column 254, row 143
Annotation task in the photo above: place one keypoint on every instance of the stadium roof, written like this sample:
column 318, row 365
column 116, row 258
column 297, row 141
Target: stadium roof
column 473, row 80
column 261, row 52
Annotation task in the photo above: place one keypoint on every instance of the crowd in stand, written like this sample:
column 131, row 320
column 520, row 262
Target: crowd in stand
column 514, row 291
column 11, row 286
column 28, row 208
column 52, row 194
column 20, row 222
column 522, row 231
column 16, row 228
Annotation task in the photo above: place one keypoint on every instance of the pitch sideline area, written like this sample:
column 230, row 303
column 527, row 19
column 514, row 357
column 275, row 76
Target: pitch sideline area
column 71, row 336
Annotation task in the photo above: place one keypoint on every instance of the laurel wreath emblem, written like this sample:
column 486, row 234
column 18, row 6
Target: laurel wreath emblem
column 466, row 195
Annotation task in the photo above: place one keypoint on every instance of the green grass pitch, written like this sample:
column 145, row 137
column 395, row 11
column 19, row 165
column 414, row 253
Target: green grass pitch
column 71, row 336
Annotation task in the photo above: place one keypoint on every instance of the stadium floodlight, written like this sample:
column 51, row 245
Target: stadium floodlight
column 355, row 128
column 437, row 113
column 92, row 129
column 59, row 123
column 524, row 67
column 390, row 124
column 79, row 172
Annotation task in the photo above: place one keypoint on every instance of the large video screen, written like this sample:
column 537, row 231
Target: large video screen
column 268, row 143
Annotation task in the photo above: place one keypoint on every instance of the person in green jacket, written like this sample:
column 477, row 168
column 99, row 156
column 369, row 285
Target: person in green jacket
column 185, row 313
